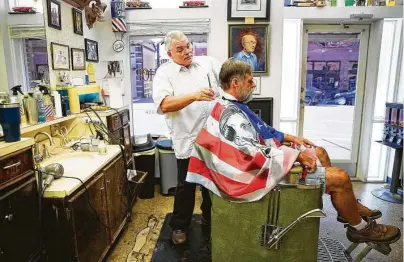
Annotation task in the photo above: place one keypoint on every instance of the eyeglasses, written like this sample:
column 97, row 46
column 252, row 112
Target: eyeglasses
column 181, row 50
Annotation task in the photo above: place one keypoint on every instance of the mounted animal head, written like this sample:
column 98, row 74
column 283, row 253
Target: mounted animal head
column 94, row 11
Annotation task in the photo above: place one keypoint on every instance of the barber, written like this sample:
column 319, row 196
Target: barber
column 183, row 90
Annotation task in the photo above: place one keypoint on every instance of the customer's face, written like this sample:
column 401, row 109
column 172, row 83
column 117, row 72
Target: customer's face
column 181, row 52
column 249, row 43
column 245, row 87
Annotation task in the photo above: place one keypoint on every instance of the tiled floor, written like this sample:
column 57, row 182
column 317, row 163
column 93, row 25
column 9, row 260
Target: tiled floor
column 139, row 237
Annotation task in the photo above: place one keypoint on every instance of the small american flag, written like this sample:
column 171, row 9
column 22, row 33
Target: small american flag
column 233, row 159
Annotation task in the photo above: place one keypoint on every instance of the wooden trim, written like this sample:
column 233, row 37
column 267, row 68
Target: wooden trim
column 16, row 179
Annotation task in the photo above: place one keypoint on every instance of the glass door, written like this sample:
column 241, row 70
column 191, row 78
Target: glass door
column 333, row 77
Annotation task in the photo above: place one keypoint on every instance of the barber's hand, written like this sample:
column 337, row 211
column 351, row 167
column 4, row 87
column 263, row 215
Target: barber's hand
column 206, row 94
column 307, row 161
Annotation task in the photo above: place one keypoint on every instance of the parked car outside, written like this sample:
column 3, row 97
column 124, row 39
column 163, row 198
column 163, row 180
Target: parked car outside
column 345, row 98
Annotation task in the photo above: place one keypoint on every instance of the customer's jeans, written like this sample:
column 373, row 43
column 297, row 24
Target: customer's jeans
column 184, row 201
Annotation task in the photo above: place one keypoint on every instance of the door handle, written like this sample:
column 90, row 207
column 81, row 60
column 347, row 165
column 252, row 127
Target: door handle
column 12, row 165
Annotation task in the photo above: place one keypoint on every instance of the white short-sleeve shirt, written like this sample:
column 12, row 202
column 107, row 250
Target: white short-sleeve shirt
column 172, row 79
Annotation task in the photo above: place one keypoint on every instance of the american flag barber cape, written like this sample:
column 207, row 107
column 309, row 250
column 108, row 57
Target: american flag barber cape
column 236, row 156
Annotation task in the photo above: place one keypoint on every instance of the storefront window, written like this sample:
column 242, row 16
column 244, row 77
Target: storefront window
column 331, row 72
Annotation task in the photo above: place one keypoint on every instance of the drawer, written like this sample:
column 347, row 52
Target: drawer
column 117, row 121
column 15, row 165
column 125, row 116
column 114, row 122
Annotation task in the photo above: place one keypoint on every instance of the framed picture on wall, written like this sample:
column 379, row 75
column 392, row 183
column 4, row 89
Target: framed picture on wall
column 249, row 43
column 42, row 70
column 78, row 59
column 91, row 50
column 60, row 57
column 257, row 81
column 77, row 21
column 54, row 14
column 240, row 9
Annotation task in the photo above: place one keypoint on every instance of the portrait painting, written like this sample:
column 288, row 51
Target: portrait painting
column 78, row 59
column 60, row 57
column 249, row 43
column 77, row 21
column 91, row 50
column 54, row 14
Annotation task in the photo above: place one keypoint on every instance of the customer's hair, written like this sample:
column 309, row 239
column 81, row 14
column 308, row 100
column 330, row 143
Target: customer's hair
column 233, row 68
column 173, row 35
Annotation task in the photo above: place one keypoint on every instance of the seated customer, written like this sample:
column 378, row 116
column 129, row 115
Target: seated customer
column 239, row 157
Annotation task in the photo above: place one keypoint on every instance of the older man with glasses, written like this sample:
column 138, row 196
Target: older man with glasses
column 183, row 90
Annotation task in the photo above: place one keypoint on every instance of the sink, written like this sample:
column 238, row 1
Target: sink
column 71, row 161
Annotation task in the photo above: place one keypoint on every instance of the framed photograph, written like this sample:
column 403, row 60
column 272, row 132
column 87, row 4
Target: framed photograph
column 54, row 14
column 257, row 81
column 263, row 107
column 60, row 57
column 114, row 69
column 78, row 59
column 240, row 9
column 77, row 21
column 42, row 71
column 91, row 50
column 249, row 43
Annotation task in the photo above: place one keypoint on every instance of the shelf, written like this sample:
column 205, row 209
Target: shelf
column 30, row 128
column 342, row 13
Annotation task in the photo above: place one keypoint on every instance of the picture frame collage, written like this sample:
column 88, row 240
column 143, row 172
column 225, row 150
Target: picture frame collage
column 249, row 41
column 63, row 55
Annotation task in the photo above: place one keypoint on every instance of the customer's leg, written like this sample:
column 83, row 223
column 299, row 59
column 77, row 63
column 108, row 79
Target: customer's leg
column 323, row 156
column 184, row 201
column 339, row 186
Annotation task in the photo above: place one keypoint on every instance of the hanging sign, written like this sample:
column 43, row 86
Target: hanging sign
column 118, row 16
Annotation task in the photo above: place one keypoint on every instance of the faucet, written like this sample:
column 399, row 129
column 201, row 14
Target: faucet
column 38, row 157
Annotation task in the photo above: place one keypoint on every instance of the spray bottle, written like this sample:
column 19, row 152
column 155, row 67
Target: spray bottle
column 39, row 101
column 15, row 98
column 47, row 103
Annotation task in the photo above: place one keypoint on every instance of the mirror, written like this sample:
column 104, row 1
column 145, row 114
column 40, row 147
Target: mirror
column 26, row 55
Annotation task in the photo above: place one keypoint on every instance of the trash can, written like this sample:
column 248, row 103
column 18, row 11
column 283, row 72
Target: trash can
column 144, row 153
column 168, row 166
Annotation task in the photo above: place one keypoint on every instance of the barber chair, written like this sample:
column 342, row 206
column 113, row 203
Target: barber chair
column 283, row 226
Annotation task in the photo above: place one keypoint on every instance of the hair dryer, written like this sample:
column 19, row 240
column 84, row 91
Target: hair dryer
column 52, row 172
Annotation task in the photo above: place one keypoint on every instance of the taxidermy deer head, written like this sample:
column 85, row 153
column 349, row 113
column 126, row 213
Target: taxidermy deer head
column 94, row 11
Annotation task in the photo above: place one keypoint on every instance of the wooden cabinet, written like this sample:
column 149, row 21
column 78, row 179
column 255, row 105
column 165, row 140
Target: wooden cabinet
column 83, row 226
column 119, row 125
column 117, row 199
column 19, row 225
column 88, row 212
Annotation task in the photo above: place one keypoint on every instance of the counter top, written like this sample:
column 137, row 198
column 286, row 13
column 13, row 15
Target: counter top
column 81, row 165
column 8, row 148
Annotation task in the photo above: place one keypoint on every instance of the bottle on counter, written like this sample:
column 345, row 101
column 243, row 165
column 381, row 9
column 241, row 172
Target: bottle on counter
column 47, row 103
column 102, row 147
column 38, row 96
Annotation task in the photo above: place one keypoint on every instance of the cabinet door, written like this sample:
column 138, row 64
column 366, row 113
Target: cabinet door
column 89, row 221
column 117, row 198
column 127, row 142
column 19, row 231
